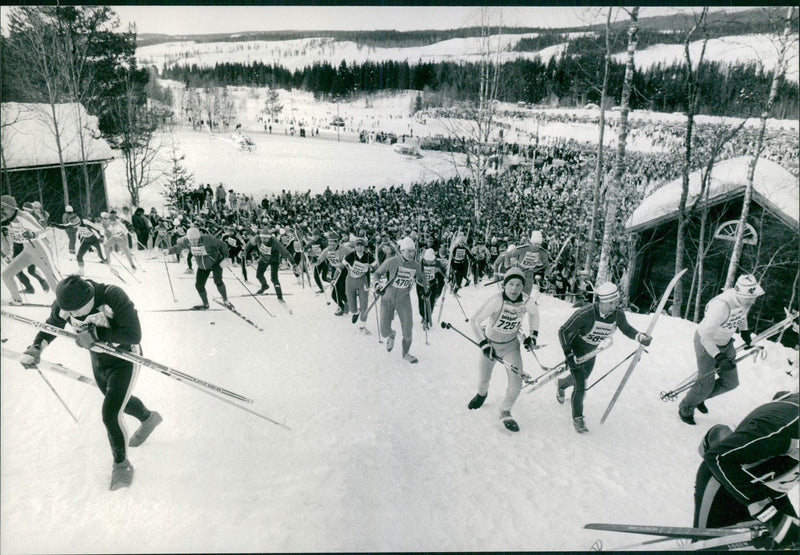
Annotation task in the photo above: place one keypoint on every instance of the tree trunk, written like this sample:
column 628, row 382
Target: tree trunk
column 692, row 100
column 615, row 183
column 598, row 170
column 748, row 191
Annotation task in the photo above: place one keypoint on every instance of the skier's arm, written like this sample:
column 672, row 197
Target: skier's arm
column 489, row 307
column 716, row 314
column 126, row 329
column 625, row 326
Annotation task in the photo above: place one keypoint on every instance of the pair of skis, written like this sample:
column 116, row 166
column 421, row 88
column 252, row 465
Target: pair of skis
column 744, row 535
column 552, row 372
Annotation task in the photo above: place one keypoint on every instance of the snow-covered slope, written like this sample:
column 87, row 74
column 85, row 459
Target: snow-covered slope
column 298, row 53
column 382, row 455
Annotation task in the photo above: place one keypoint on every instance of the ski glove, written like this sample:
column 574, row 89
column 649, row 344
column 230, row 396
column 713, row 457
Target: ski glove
column 643, row 338
column 27, row 234
column 86, row 338
column 31, row 357
column 747, row 337
column 724, row 363
column 784, row 528
column 488, row 349
column 572, row 362
column 530, row 342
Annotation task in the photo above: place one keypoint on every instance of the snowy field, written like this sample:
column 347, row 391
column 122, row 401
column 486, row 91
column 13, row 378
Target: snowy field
column 382, row 455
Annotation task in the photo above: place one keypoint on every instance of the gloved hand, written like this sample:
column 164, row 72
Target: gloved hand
column 87, row 338
column 643, row 338
column 784, row 528
column 427, row 291
column 488, row 349
column 572, row 362
column 530, row 342
column 31, row 357
column 724, row 363
column 747, row 337
column 28, row 234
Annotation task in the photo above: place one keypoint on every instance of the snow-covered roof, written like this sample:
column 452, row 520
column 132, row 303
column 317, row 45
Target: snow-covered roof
column 28, row 137
column 773, row 188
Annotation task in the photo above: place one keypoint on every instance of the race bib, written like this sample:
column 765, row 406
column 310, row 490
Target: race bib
column 737, row 316
column 359, row 268
column 405, row 277
column 509, row 319
column 599, row 332
column 199, row 250
column 333, row 258
column 430, row 272
column 315, row 250
column 264, row 249
column 459, row 253
column 296, row 246
column 99, row 319
column 780, row 473
column 82, row 232
column 232, row 241
column 531, row 260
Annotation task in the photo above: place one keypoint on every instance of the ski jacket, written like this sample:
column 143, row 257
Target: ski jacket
column 113, row 316
column 358, row 267
column 269, row 251
column 724, row 316
column 586, row 329
column 758, row 461
column 505, row 316
column 530, row 259
column 84, row 229
column 23, row 227
column 208, row 252
column 404, row 272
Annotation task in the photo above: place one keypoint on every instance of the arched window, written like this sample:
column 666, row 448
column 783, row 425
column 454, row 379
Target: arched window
column 727, row 232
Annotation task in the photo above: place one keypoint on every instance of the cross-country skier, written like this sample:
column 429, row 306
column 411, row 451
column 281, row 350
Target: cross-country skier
column 583, row 332
column 100, row 312
column 713, row 344
column 435, row 273
column 69, row 217
column 90, row 236
column 533, row 260
column 757, row 464
column 116, row 236
column 461, row 257
column 209, row 252
column 270, row 250
column 402, row 270
column 333, row 255
column 28, row 251
column 504, row 311
column 359, row 263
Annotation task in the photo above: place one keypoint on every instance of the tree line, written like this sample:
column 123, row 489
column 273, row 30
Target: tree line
column 725, row 89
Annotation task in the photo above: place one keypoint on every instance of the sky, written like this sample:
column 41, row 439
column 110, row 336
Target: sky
column 174, row 20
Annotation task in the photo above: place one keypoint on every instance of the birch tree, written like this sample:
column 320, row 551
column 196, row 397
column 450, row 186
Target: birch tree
column 615, row 182
column 777, row 76
column 692, row 101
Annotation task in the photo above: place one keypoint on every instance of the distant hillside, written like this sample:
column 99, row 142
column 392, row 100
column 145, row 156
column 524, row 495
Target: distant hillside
column 757, row 20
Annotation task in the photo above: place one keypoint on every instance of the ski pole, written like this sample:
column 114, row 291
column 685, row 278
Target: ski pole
column 458, row 300
column 523, row 375
column 111, row 253
column 694, row 378
column 130, row 357
column 377, row 319
column 252, row 295
column 53, row 367
column 57, row 395
column 617, row 365
column 427, row 318
column 169, row 279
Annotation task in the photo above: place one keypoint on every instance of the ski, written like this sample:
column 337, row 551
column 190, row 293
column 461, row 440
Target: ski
column 561, row 251
column 182, row 310
column 676, row 531
column 772, row 330
column 286, row 306
column 52, row 366
column 245, row 295
column 31, row 305
column 750, row 539
column 552, row 372
column 240, row 315
column 640, row 348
